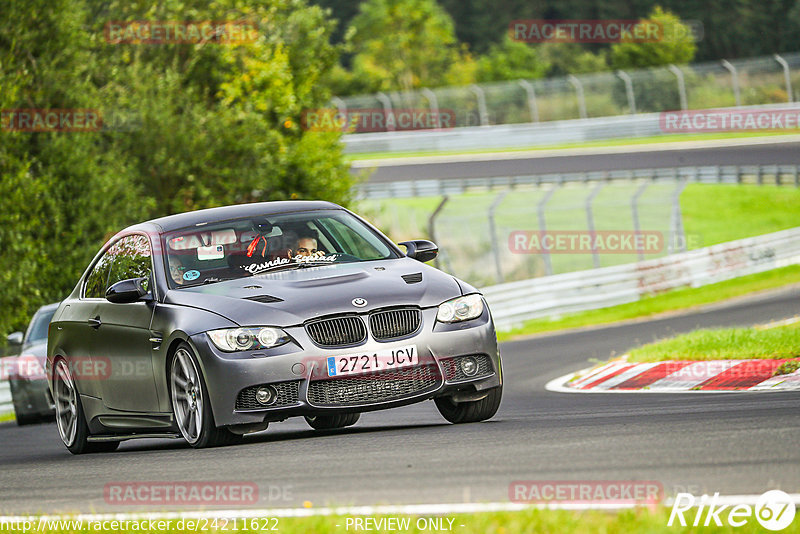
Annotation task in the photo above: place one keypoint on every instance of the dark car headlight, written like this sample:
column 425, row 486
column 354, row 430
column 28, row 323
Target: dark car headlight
column 248, row 338
column 460, row 309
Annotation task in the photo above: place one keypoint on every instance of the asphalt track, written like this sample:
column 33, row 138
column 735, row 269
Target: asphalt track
column 735, row 443
column 770, row 153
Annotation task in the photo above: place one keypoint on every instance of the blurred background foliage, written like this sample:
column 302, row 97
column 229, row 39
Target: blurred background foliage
column 473, row 34
column 194, row 126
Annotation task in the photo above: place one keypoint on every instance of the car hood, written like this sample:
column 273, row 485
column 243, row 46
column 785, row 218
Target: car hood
column 317, row 291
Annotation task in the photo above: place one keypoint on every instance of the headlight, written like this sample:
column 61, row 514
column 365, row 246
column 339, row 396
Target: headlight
column 460, row 309
column 251, row 338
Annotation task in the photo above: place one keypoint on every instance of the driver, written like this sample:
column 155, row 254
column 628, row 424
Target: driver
column 307, row 246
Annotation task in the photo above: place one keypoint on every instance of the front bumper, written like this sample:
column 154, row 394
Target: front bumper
column 31, row 397
column 299, row 373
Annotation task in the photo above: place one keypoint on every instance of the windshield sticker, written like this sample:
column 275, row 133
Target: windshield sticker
column 255, row 268
column 214, row 252
column 191, row 275
column 315, row 258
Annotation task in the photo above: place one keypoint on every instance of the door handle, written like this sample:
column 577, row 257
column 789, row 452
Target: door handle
column 95, row 323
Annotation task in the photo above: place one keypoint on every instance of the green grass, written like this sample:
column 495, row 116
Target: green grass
column 724, row 344
column 679, row 299
column 787, row 368
column 6, row 417
column 720, row 213
column 668, row 138
column 712, row 213
column 529, row 521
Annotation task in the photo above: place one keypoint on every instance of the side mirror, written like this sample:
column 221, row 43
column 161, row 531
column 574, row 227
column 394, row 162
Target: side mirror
column 15, row 338
column 421, row 249
column 126, row 291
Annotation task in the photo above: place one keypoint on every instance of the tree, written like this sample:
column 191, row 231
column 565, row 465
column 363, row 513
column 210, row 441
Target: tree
column 511, row 60
column 403, row 44
column 61, row 192
column 221, row 123
column 675, row 46
column 213, row 124
column 570, row 58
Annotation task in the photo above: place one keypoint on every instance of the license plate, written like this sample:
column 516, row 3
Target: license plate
column 360, row 363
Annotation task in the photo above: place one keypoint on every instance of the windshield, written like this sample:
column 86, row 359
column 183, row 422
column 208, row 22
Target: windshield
column 246, row 247
column 37, row 331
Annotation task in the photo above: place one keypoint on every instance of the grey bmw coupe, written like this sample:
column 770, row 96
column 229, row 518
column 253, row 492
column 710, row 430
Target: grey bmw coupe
column 212, row 324
column 26, row 377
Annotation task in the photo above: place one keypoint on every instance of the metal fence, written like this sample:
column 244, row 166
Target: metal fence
column 513, row 303
column 721, row 174
column 497, row 230
column 505, row 136
column 763, row 80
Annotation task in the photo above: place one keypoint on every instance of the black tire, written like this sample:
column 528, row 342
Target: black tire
column 23, row 420
column 209, row 435
column 472, row 411
column 330, row 422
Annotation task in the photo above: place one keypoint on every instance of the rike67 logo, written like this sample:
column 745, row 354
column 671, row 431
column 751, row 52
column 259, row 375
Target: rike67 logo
column 774, row 510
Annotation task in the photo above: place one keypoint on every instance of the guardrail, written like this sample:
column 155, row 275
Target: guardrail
column 716, row 84
column 721, row 174
column 511, row 136
column 515, row 302
column 6, row 406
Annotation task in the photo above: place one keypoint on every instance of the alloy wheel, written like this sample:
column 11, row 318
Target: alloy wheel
column 66, row 403
column 187, row 395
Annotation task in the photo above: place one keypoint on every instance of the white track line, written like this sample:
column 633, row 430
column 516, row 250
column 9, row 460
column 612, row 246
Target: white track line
column 733, row 500
column 410, row 509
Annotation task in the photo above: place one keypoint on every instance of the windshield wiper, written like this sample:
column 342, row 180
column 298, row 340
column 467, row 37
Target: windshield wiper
column 214, row 279
column 302, row 264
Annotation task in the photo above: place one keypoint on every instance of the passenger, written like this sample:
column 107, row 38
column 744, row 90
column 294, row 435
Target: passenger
column 176, row 270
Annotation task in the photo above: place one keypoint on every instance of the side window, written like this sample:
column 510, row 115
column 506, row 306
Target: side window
column 131, row 259
column 97, row 281
column 352, row 242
